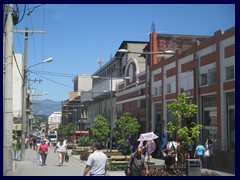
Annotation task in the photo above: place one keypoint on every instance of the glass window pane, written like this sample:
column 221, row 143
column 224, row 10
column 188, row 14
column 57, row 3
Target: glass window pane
column 210, row 101
column 232, row 128
column 230, row 72
column 212, row 76
column 210, row 118
column 170, row 116
column 231, row 98
column 204, row 79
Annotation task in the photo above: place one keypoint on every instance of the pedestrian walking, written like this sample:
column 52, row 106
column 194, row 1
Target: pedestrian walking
column 191, row 150
column 97, row 162
column 37, row 148
column 47, row 141
column 34, row 143
column 16, row 144
column 210, row 164
column 26, row 142
column 61, row 149
column 30, row 142
column 137, row 165
column 43, row 150
column 199, row 151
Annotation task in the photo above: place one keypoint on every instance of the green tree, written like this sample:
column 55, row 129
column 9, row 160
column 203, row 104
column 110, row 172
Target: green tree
column 124, row 127
column 65, row 131
column 84, row 141
column 100, row 129
column 183, row 125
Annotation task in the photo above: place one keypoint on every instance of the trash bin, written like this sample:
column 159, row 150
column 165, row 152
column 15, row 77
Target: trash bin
column 193, row 167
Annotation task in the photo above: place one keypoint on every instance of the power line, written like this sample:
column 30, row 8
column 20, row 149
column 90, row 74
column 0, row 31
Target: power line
column 23, row 13
column 17, row 65
column 54, row 73
column 53, row 80
column 29, row 12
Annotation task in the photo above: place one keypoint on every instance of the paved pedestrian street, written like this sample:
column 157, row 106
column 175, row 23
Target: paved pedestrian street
column 75, row 166
column 30, row 167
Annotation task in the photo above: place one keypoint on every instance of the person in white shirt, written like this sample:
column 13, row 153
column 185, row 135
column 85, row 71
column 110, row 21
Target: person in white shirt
column 65, row 142
column 97, row 162
column 61, row 149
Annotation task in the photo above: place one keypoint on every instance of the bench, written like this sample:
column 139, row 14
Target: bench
column 108, row 153
column 81, row 148
column 108, row 150
column 119, row 157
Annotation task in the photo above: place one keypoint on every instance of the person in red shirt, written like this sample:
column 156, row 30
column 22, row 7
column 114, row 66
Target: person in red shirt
column 30, row 142
column 43, row 150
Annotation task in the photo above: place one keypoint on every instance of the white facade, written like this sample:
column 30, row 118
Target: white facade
column 82, row 82
column 17, row 85
column 55, row 118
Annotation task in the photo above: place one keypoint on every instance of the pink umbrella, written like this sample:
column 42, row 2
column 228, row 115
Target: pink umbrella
column 150, row 138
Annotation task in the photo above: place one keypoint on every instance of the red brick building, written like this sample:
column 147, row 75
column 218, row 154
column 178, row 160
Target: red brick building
column 204, row 68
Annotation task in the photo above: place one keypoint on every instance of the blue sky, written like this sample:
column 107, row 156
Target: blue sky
column 77, row 35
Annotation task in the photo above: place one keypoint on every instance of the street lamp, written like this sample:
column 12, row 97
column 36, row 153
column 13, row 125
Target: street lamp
column 24, row 104
column 146, row 53
column 45, row 61
column 111, row 99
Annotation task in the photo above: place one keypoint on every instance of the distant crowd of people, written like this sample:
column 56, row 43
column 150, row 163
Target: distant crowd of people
column 173, row 151
column 176, row 152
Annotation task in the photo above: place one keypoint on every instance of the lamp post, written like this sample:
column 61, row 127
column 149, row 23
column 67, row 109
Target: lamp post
column 146, row 53
column 111, row 104
column 24, row 103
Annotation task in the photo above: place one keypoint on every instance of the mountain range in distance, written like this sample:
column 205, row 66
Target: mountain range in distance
column 45, row 107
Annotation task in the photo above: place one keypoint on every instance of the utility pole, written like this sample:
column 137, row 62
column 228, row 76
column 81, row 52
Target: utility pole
column 24, row 89
column 29, row 124
column 7, row 93
column 24, row 94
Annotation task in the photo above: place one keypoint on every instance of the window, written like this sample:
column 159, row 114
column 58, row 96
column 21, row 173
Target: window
column 155, row 91
column 204, row 79
column 123, row 107
column 168, row 88
column 170, row 116
column 209, row 118
column 142, row 104
column 230, row 72
column 120, row 107
column 231, row 120
column 141, row 92
column 212, row 76
column 190, row 101
column 210, row 101
column 160, row 90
